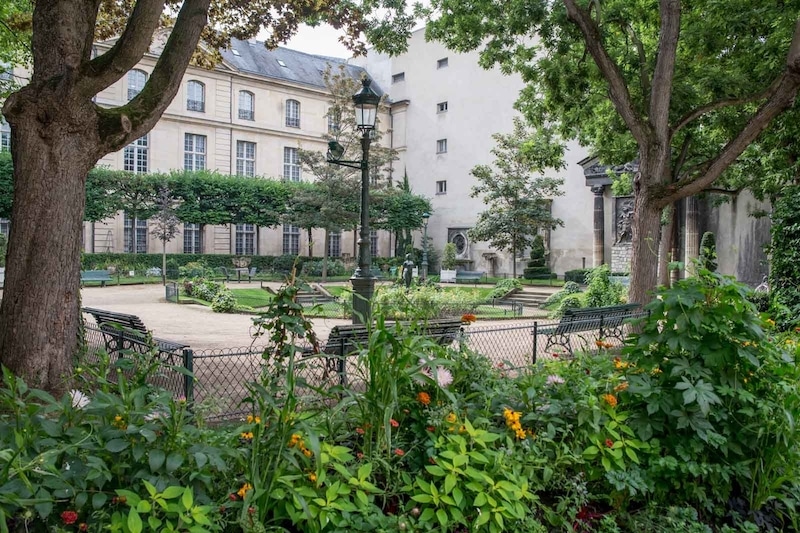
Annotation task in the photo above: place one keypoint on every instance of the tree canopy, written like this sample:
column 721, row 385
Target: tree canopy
column 685, row 87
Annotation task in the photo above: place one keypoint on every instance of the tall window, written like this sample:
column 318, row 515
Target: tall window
column 5, row 226
column 5, row 136
column 136, row 155
column 195, row 96
column 247, row 110
column 245, row 239
column 192, row 241
column 373, row 243
column 335, row 244
column 245, row 158
column 136, row 80
column 291, row 239
column 135, row 242
column 441, row 187
column 291, row 164
column 334, row 120
column 441, row 146
column 293, row 113
column 194, row 152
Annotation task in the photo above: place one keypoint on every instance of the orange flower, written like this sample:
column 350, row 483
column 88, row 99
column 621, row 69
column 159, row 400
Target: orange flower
column 610, row 399
column 424, row 398
column 242, row 491
column 468, row 318
column 621, row 387
column 312, row 477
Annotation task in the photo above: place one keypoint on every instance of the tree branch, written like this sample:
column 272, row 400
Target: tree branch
column 713, row 106
column 661, row 93
column 121, row 125
column 109, row 67
column 784, row 91
column 618, row 91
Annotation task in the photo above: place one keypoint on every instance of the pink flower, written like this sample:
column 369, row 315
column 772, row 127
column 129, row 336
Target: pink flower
column 555, row 380
column 394, row 423
column 399, row 452
column 443, row 377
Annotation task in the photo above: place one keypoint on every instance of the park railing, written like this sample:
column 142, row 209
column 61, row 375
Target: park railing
column 216, row 381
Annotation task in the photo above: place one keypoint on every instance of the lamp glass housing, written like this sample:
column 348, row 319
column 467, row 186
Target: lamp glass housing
column 366, row 102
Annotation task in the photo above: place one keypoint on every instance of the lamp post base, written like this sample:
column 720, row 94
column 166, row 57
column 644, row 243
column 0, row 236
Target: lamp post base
column 363, row 290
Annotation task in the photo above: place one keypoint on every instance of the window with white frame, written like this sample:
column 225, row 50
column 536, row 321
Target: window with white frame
column 245, row 239
column 335, row 244
column 291, row 164
column 136, row 81
column 293, row 113
column 442, row 63
column 397, row 78
column 373, row 243
column 136, row 155
column 192, row 239
column 441, row 107
column 247, row 108
column 194, row 152
column 291, row 239
column 135, row 241
column 245, row 158
column 195, row 96
column 5, row 136
column 441, row 187
column 441, row 146
column 334, row 120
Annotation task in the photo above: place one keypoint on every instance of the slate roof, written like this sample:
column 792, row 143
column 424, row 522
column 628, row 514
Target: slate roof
column 285, row 64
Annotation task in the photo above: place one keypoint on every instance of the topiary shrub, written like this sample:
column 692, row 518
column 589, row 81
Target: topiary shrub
column 449, row 256
column 571, row 301
column 536, row 268
column 708, row 252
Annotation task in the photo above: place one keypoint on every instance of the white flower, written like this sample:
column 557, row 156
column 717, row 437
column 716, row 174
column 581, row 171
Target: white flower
column 443, row 377
column 554, row 380
column 79, row 399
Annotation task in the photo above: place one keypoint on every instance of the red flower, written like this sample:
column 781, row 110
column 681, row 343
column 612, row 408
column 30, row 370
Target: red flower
column 83, row 527
column 232, row 496
column 359, row 455
column 609, row 443
column 69, row 517
column 399, row 452
column 431, row 428
column 394, row 423
column 360, row 431
column 554, row 354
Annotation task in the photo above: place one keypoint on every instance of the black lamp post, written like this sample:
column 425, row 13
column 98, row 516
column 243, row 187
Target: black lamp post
column 423, row 275
column 366, row 102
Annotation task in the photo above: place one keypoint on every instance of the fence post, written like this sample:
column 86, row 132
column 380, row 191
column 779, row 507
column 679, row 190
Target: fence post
column 340, row 365
column 535, row 339
column 601, row 326
column 188, row 380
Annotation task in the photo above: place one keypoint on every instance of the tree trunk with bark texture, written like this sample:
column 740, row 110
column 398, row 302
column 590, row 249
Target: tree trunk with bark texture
column 40, row 312
column 646, row 231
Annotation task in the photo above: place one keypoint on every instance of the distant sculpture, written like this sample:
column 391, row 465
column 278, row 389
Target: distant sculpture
column 624, row 221
column 408, row 271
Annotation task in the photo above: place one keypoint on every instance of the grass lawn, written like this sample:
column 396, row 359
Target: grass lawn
column 254, row 297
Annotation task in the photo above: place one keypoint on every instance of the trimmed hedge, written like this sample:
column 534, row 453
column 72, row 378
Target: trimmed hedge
column 578, row 275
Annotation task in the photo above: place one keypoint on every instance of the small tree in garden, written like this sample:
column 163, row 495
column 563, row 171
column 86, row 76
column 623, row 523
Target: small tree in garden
column 708, row 252
column 165, row 225
column 449, row 256
column 516, row 195
column 536, row 266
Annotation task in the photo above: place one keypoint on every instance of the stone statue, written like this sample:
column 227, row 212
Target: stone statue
column 408, row 271
column 624, row 221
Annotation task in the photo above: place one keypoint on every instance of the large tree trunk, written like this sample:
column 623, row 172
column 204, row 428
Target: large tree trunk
column 40, row 312
column 646, row 230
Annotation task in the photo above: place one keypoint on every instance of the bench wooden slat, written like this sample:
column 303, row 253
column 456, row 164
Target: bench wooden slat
column 130, row 331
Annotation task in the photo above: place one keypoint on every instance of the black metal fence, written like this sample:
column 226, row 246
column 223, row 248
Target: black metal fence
column 220, row 376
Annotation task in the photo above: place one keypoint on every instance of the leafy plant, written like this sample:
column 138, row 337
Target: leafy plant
column 449, row 256
column 708, row 252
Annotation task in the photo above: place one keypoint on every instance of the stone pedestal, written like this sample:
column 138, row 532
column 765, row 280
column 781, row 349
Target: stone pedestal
column 621, row 257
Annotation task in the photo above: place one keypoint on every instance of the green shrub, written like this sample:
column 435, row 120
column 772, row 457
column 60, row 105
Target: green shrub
column 313, row 267
column 785, row 258
column 601, row 291
column 578, row 275
column 708, row 252
column 570, row 287
column 449, row 256
column 223, row 301
column 504, row 286
column 426, row 302
column 206, row 289
column 570, row 301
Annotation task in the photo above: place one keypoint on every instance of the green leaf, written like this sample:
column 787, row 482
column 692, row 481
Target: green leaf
column 154, row 523
column 144, row 507
column 170, row 493
column 449, row 483
column 99, row 499
column 441, row 515
column 200, row 459
column 117, row 445
column 134, row 522
column 156, row 459
column 45, row 506
column 174, row 461
column 187, row 499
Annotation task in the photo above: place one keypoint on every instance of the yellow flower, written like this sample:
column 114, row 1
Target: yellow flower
column 610, row 399
column 295, row 440
column 312, row 477
column 251, row 419
column 307, row 452
column 451, row 418
column 621, row 387
column 119, row 423
column 247, row 435
column 656, row 371
column 619, row 364
column 242, row 491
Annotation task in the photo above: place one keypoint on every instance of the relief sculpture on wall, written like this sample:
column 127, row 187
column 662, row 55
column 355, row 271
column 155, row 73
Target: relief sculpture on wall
column 623, row 220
